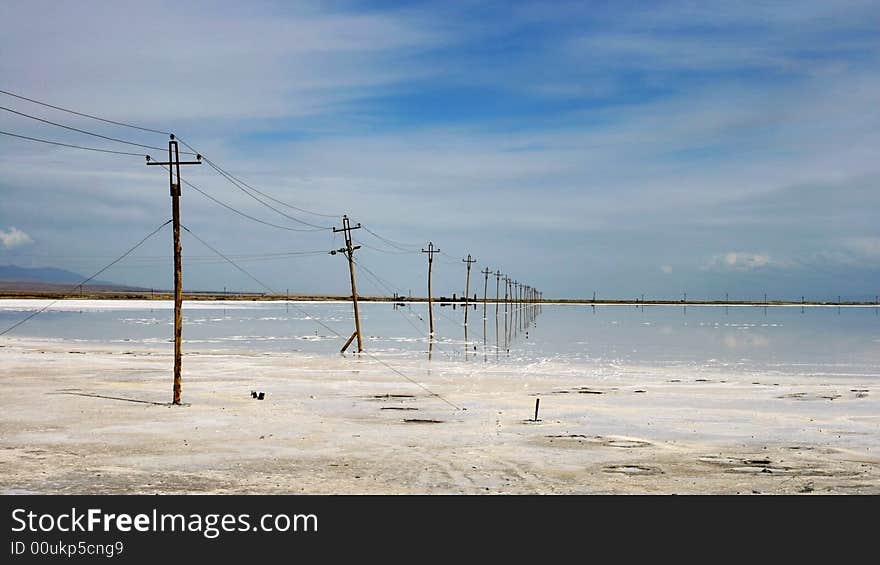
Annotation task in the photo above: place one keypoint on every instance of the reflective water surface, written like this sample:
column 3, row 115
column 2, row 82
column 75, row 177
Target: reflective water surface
column 823, row 341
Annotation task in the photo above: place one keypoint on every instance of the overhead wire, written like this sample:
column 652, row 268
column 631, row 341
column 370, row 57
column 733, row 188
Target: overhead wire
column 234, row 180
column 226, row 174
column 70, row 145
column 270, row 197
column 237, row 211
column 393, row 243
column 368, row 246
column 82, row 114
column 71, row 128
column 249, row 193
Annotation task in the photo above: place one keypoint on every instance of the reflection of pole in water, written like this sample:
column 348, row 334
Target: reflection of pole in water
column 466, row 344
column 430, row 345
column 485, row 337
column 496, row 331
column 497, row 285
column 506, row 331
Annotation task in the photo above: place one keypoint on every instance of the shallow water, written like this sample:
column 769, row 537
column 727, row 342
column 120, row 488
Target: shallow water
column 824, row 341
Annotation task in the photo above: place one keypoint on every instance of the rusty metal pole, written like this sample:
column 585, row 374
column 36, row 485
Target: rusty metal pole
column 173, row 165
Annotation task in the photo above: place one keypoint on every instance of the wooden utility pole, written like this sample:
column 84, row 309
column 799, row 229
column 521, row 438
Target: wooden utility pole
column 486, row 272
column 173, row 165
column 467, row 285
column 348, row 250
column 430, row 251
column 497, row 287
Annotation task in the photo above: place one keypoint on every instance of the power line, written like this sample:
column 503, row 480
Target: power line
column 118, row 259
column 445, row 257
column 241, row 188
column 239, row 212
column 229, row 176
column 71, row 145
column 234, row 179
column 391, row 242
column 82, row 114
column 368, row 246
column 71, row 128
column 243, row 214
column 237, row 182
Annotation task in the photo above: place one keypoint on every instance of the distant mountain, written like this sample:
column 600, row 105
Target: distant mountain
column 38, row 274
column 41, row 274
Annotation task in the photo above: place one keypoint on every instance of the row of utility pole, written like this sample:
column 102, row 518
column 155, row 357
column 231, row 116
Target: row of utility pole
column 514, row 291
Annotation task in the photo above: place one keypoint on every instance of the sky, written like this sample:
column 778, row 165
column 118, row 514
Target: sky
column 622, row 148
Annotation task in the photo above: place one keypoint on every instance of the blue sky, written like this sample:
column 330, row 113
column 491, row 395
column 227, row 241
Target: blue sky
column 626, row 148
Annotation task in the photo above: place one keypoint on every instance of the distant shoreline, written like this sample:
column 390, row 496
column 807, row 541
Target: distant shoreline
column 89, row 294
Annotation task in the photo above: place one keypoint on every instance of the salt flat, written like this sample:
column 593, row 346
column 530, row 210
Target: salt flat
column 82, row 418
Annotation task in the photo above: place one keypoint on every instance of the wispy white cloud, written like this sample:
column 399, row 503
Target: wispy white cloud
column 14, row 237
column 865, row 247
column 237, row 62
column 739, row 261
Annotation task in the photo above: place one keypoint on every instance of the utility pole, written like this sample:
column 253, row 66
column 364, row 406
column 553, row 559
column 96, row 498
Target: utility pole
column 173, row 165
column 348, row 250
column 430, row 251
column 497, row 286
column 467, row 284
column 486, row 272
